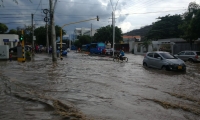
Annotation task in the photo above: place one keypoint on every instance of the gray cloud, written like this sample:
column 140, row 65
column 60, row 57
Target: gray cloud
column 68, row 11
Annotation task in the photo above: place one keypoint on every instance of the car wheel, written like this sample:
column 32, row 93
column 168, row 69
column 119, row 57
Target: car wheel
column 145, row 64
column 191, row 60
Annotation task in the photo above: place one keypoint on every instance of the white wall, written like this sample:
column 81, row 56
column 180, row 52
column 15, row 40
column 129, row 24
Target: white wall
column 13, row 39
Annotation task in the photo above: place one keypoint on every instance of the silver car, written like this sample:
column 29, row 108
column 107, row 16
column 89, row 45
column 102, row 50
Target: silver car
column 163, row 60
column 191, row 56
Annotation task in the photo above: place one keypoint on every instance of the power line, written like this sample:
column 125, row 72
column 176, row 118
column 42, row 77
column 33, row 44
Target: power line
column 38, row 6
column 152, row 12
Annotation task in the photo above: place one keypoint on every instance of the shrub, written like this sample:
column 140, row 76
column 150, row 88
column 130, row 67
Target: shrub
column 28, row 54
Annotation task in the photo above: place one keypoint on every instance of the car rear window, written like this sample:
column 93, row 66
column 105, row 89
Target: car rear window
column 198, row 53
column 189, row 53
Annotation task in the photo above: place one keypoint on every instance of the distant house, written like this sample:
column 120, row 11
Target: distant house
column 127, row 39
column 172, row 45
column 131, row 40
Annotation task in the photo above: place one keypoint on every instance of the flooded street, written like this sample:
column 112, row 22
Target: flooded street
column 83, row 87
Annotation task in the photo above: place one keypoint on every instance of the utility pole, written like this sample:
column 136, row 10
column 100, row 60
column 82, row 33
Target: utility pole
column 113, row 24
column 46, row 19
column 91, row 33
column 53, row 36
column 33, row 46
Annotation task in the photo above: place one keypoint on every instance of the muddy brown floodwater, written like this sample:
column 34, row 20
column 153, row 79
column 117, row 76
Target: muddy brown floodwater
column 83, row 87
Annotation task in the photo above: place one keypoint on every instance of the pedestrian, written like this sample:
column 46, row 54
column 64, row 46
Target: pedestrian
column 10, row 56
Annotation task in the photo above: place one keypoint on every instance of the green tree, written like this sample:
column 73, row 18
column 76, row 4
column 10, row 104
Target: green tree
column 196, row 25
column 57, row 29
column 3, row 28
column 77, row 43
column 105, row 34
column 85, row 39
column 12, row 31
column 146, row 43
column 28, row 34
column 165, row 27
column 190, row 25
column 40, row 34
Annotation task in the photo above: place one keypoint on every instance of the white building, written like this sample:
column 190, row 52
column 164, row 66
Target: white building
column 9, row 39
column 84, row 31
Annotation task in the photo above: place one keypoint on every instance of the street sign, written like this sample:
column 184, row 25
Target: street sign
column 34, row 38
column 45, row 11
column 46, row 19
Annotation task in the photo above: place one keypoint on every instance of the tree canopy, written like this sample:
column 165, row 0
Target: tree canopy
column 105, row 34
column 190, row 25
column 40, row 34
column 82, row 40
column 165, row 27
column 3, row 28
column 12, row 31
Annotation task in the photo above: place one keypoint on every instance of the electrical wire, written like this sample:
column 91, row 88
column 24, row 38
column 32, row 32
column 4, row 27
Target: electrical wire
column 38, row 6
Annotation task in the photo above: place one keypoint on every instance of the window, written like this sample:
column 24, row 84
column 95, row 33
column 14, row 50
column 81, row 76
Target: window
column 189, row 53
column 101, row 44
column 156, row 55
column 181, row 53
column 150, row 55
column 167, row 56
column 93, row 45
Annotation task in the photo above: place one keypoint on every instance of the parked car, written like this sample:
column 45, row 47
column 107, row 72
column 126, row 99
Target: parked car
column 108, row 51
column 163, row 60
column 191, row 56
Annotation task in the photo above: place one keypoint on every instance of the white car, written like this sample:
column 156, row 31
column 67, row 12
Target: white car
column 163, row 60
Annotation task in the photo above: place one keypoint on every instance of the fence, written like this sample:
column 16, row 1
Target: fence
column 185, row 46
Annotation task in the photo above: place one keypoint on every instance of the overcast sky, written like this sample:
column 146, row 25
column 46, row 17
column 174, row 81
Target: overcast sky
column 130, row 14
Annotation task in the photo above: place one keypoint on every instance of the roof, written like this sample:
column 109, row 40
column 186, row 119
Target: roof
column 172, row 40
column 126, row 36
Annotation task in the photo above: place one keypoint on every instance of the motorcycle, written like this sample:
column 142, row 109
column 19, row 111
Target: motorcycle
column 117, row 58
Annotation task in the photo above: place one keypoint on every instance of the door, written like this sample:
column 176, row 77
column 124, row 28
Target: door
column 149, row 59
column 157, row 62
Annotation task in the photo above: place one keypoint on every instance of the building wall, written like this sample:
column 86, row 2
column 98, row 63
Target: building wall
column 84, row 31
column 9, row 39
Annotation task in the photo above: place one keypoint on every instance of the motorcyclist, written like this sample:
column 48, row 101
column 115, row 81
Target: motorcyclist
column 121, row 54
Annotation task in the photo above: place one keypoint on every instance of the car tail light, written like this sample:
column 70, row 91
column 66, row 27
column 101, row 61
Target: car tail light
column 196, row 57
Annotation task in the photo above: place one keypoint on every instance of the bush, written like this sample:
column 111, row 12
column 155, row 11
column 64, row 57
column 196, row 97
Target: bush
column 28, row 54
